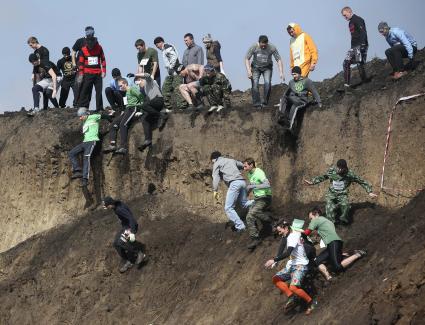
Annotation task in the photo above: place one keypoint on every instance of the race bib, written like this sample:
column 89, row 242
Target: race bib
column 125, row 100
column 93, row 60
column 338, row 185
column 296, row 55
column 322, row 244
column 144, row 61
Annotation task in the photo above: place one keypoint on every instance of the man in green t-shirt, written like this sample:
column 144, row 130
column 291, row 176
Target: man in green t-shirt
column 340, row 178
column 333, row 251
column 91, row 136
column 147, row 61
column 260, row 206
column 122, row 122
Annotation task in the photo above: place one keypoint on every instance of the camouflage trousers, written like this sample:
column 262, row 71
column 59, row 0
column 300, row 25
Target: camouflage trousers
column 170, row 90
column 214, row 94
column 334, row 201
column 259, row 211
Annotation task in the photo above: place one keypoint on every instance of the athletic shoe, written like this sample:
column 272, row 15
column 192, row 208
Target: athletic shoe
column 121, row 151
column 84, row 182
column 347, row 86
column 398, row 75
column 212, row 109
column 76, row 174
column 234, row 229
column 110, row 148
column 310, row 307
column 144, row 145
column 219, row 108
column 127, row 265
column 291, row 303
column 140, row 258
column 360, row 252
column 254, row 243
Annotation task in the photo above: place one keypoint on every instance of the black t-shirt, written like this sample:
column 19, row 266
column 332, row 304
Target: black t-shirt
column 65, row 65
column 44, row 67
column 358, row 31
column 79, row 44
column 43, row 54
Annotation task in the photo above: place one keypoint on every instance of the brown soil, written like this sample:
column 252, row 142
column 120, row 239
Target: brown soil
column 200, row 273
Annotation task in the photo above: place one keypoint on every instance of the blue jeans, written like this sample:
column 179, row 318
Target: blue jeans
column 87, row 149
column 255, row 81
column 236, row 192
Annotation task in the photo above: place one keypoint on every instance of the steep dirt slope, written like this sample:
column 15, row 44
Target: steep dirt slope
column 198, row 273
column 36, row 193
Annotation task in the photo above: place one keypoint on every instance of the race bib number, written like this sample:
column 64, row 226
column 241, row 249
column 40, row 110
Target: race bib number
column 144, row 61
column 93, row 60
column 125, row 100
column 338, row 185
column 296, row 55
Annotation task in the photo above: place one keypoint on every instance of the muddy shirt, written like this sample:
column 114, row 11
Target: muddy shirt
column 325, row 229
column 257, row 177
column 339, row 184
column 91, row 128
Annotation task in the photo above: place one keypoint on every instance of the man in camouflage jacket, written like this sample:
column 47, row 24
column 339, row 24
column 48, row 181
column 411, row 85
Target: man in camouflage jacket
column 216, row 87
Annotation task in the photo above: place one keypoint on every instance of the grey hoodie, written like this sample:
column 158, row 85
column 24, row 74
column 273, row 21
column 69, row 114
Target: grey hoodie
column 228, row 169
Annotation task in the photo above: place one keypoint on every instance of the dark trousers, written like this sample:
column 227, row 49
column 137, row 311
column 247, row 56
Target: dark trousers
column 115, row 97
column 333, row 254
column 151, row 113
column 87, row 149
column 395, row 56
column 258, row 212
column 89, row 81
column 255, row 83
column 66, row 85
column 356, row 55
column 295, row 103
column 122, row 123
column 77, row 88
column 126, row 249
column 36, row 90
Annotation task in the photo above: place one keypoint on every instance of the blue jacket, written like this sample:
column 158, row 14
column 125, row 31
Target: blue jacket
column 114, row 84
column 398, row 36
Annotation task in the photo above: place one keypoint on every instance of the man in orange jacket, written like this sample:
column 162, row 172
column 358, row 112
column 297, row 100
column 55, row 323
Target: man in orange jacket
column 302, row 50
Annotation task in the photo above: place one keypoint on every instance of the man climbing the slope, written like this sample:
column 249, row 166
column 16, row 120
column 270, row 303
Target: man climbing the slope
column 296, row 268
column 403, row 45
column 302, row 50
column 333, row 243
column 296, row 97
column 91, row 137
column 259, row 210
column 340, row 178
column 230, row 171
column 125, row 240
column 357, row 54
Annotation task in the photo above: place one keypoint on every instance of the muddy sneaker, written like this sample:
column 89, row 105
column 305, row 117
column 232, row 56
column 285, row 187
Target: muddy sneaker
column 140, row 258
column 310, row 307
column 143, row 146
column 110, row 148
column 121, row 151
column 162, row 121
column 362, row 253
column 126, row 266
column 234, row 229
column 254, row 243
column 212, row 109
column 219, row 108
column 76, row 174
column 84, row 182
column 290, row 304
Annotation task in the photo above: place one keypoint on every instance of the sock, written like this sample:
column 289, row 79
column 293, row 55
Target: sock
column 282, row 286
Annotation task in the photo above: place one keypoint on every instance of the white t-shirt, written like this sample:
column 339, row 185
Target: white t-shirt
column 298, row 255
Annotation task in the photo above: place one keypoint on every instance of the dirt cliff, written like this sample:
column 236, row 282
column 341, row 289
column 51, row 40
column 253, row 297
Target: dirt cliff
column 198, row 273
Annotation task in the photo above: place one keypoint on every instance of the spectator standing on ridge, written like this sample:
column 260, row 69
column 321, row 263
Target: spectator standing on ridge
column 296, row 268
column 114, row 94
column 403, row 45
column 333, row 243
column 147, row 61
column 302, row 50
column 262, row 64
column 91, row 137
column 37, row 73
column 125, row 240
column 259, row 210
column 216, row 87
column 296, row 97
column 213, row 53
column 92, row 66
column 194, row 54
column 340, row 178
column 230, row 171
column 48, row 85
column 75, row 55
column 135, row 99
column 357, row 54
column 173, row 81
column 65, row 65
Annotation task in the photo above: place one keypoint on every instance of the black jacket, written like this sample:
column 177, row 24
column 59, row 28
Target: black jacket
column 358, row 31
column 123, row 212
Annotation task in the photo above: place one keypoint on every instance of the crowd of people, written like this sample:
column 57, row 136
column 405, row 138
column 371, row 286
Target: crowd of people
column 190, row 84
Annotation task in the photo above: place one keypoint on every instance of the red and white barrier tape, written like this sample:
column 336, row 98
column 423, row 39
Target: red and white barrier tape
column 387, row 144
